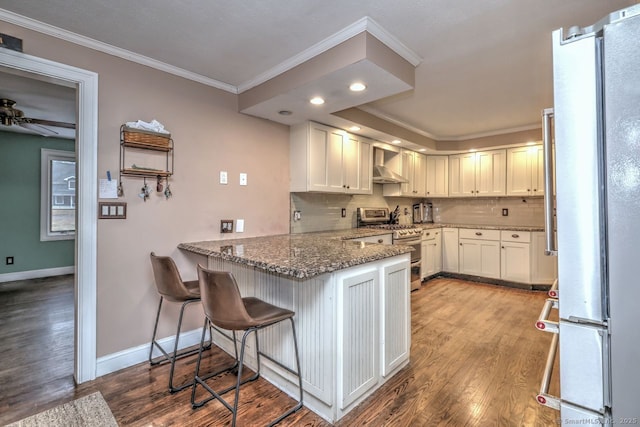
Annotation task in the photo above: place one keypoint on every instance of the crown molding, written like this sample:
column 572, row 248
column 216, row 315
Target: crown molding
column 69, row 36
column 362, row 24
column 379, row 114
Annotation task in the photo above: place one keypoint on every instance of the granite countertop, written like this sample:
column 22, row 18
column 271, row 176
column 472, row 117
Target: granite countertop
column 300, row 256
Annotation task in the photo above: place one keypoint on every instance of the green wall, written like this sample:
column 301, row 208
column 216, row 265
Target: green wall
column 20, row 205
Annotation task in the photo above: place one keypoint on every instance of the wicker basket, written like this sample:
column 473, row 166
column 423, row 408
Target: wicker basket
column 145, row 137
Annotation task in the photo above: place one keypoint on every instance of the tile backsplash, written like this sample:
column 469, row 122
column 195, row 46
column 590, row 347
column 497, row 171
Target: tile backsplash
column 323, row 212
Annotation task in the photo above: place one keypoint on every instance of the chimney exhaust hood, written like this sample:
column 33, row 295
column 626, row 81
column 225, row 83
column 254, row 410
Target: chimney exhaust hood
column 382, row 174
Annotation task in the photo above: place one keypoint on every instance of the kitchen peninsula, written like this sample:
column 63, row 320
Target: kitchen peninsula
column 352, row 307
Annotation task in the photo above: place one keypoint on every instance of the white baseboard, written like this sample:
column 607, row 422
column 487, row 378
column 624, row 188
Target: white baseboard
column 35, row 274
column 134, row 355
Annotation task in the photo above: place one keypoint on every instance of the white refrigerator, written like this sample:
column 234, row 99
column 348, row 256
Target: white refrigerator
column 596, row 73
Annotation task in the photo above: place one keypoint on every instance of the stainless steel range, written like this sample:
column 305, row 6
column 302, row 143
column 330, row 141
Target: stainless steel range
column 409, row 235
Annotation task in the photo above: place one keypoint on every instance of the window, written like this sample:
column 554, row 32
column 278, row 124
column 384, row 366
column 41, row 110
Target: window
column 58, row 193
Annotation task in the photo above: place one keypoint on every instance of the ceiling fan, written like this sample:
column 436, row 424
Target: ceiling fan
column 9, row 115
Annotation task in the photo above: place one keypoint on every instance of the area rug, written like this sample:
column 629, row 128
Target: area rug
column 91, row 410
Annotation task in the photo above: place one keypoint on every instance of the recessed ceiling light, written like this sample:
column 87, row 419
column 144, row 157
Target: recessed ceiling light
column 285, row 112
column 357, row 87
column 422, row 149
column 396, row 141
column 472, row 150
column 354, row 128
column 316, row 100
column 531, row 143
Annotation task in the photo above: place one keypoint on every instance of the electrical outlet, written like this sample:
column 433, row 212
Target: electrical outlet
column 344, row 213
column 223, row 177
column 297, row 215
column 505, row 212
column 226, row 226
column 243, row 178
column 9, row 260
column 239, row 225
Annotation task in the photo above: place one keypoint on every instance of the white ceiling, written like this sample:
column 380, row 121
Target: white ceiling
column 485, row 65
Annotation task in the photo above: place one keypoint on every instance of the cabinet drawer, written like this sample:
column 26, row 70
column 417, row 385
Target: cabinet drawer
column 431, row 233
column 474, row 233
column 515, row 236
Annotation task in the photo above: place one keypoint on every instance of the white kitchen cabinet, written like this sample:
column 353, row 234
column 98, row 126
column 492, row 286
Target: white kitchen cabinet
column 437, row 172
column 431, row 262
column 479, row 252
column 359, row 361
column 329, row 160
column 477, row 174
column 413, row 168
column 450, row 250
column 525, row 171
column 396, row 322
column 515, row 254
column 544, row 269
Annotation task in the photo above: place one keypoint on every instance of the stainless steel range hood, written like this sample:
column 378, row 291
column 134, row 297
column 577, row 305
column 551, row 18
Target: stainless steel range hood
column 382, row 174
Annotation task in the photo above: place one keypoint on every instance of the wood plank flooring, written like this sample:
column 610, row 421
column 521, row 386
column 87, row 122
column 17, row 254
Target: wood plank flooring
column 476, row 360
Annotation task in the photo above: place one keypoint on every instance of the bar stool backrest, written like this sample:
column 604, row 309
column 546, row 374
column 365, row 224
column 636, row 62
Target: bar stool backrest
column 221, row 300
column 168, row 280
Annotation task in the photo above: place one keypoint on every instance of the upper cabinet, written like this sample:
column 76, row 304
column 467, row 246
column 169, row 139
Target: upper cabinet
column 437, row 176
column 413, row 168
column 329, row 160
column 477, row 174
column 525, row 171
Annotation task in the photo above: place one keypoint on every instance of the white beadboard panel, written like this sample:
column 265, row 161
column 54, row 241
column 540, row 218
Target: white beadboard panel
column 396, row 324
column 315, row 324
column 360, row 369
column 312, row 301
column 488, row 211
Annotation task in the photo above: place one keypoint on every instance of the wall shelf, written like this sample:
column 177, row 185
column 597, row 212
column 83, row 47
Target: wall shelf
column 138, row 140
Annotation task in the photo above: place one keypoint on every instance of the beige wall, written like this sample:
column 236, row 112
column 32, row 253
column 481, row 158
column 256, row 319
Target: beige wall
column 209, row 136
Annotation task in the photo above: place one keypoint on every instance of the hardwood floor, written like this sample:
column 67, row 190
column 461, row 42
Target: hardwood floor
column 476, row 360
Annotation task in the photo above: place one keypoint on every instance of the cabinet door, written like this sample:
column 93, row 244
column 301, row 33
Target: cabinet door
column 470, row 257
column 351, row 163
column 431, row 253
column 491, row 173
column 537, row 170
column 490, row 258
column 419, row 175
column 406, row 189
column 544, row 269
column 437, row 173
column 450, row 250
column 366, row 167
column 334, row 161
column 515, row 262
column 518, row 172
column 396, row 309
column 360, row 369
column 462, row 175
column 318, row 158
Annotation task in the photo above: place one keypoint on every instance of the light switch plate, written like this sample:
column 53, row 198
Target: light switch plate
column 239, row 225
column 223, row 177
column 243, row 178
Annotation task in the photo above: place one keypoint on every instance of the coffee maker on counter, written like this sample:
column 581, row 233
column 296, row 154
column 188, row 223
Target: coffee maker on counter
column 422, row 213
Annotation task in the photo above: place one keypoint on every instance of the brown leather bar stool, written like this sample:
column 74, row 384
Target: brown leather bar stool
column 172, row 288
column 225, row 308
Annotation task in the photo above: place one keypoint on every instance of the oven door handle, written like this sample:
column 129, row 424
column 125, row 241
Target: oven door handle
column 411, row 241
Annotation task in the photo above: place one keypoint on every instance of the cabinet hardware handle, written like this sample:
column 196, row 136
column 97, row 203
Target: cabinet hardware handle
column 535, row 189
column 515, row 236
column 528, row 189
column 478, row 233
column 460, row 244
column 348, row 186
column 344, row 185
column 380, row 240
column 427, row 234
column 503, row 247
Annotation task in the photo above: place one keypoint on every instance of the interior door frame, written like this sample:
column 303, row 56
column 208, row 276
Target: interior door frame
column 86, row 84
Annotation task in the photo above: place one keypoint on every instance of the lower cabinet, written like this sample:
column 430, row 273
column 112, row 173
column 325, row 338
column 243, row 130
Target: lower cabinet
column 360, row 335
column 479, row 252
column 450, row 250
column 431, row 253
column 515, row 260
column 544, row 269
column 374, row 327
